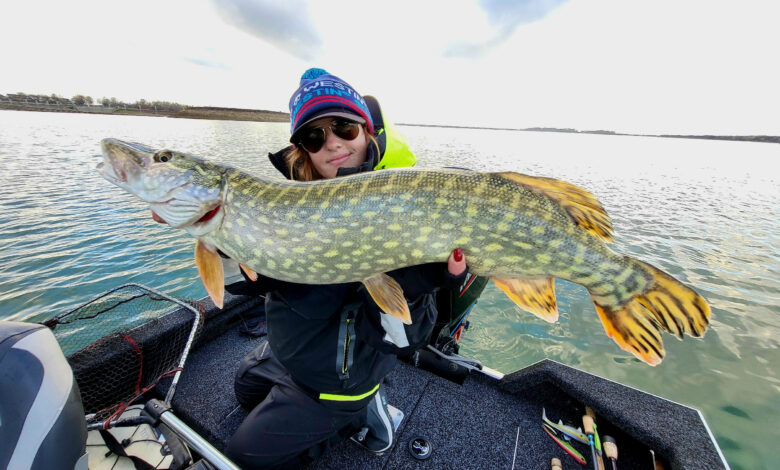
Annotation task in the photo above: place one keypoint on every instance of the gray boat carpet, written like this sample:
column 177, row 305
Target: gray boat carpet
column 478, row 425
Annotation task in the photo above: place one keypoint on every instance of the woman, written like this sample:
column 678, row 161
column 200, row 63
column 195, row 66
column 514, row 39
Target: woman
column 316, row 380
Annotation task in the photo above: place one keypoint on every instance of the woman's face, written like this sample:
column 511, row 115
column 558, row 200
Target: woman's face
column 337, row 152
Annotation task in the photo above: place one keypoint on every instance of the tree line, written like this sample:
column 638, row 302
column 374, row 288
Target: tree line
column 86, row 100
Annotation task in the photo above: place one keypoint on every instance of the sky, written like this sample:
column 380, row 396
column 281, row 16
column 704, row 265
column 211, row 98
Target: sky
column 648, row 67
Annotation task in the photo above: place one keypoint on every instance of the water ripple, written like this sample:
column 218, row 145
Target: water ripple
column 704, row 211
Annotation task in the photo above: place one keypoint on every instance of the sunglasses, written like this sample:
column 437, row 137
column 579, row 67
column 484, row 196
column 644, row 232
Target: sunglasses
column 313, row 138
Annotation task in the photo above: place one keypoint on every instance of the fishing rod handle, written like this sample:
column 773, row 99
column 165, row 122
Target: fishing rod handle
column 587, row 424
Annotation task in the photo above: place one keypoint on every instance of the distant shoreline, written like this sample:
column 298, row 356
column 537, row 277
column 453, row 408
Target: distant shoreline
column 238, row 114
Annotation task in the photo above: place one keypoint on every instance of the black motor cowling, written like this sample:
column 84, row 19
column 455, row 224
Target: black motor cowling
column 42, row 422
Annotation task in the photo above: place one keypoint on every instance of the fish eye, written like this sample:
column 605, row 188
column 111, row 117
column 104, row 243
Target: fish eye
column 163, row 156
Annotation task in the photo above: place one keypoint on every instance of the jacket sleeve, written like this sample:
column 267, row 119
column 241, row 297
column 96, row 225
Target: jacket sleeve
column 420, row 283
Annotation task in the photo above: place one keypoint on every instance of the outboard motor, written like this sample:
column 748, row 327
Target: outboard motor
column 42, row 422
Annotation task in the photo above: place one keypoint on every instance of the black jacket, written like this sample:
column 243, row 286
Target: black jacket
column 333, row 338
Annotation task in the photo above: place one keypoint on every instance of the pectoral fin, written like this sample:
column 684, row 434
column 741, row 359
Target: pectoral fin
column 210, row 270
column 535, row 295
column 249, row 273
column 389, row 296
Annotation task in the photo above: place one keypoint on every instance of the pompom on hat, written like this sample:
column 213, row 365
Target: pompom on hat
column 321, row 94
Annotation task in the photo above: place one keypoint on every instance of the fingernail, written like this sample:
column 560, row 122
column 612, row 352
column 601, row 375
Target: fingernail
column 457, row 255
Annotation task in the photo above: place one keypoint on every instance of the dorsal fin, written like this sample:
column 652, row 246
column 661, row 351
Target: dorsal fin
column 581, row 206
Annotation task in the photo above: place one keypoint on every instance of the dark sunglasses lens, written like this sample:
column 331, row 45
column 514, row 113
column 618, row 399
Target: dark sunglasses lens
column 313, row 139
column 346, row 130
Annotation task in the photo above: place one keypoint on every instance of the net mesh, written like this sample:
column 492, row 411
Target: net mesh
column 121, row 344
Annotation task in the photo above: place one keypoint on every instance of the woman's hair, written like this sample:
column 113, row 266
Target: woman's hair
column 302, row 169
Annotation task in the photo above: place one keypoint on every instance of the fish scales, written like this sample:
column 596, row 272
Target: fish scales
column 519, row 230
column 403, row 215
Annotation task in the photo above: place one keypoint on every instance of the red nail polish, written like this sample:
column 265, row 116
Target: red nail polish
column 457, row 255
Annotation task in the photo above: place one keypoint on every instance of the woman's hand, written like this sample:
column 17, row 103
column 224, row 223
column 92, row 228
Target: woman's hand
column 456, row 263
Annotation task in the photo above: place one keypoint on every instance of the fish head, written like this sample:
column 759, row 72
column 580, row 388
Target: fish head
column 183, row 190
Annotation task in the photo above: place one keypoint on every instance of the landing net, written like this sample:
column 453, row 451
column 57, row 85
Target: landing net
column 124, row 342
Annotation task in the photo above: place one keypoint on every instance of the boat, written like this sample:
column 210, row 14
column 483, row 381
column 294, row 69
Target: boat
column 457, row 413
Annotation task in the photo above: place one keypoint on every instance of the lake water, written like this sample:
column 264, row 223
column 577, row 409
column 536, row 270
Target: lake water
column 704, row 211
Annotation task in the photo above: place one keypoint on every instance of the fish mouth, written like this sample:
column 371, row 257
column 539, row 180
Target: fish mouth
column 112, row 171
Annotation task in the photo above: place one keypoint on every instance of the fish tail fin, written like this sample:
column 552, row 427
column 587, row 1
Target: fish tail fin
column 665, row 304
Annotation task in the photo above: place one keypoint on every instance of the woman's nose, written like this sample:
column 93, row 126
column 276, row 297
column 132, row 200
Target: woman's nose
column 331, row 139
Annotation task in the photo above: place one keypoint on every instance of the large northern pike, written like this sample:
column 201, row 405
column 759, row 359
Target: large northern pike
column 521, row 231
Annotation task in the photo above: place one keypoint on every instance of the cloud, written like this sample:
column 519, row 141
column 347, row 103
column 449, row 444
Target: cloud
column 206, row 63
column 284, row 24
column 504, row 17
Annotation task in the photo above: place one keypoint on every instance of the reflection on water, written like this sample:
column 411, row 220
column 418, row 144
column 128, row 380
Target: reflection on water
column 705, row 211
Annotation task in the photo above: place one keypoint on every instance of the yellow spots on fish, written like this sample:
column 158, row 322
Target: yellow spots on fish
column 347, row 244
column 228, row 225
column 538, row 229
column 467, row 229
column 493, row 247
column 462, row 241
column 282, row 232
column 421, row 239
column 543, row 258
column 406, row 196
column 250, row 238
column 426, row 230
column 287, row 263
column 620, row 278
column 270, row 263
column 447, row 226
column 417, row 253
column 252, row 203
column 512, row 259
column 556, row 243
column 354, row 201
column 325, row 204
column 509, row 216
column 268, row 241
column 471, row 211
column 437, row 245
column 484, row 227
column 394, row 227
column 590, row 279
column 315, row 217
column 340, row 231
column 367, row 229
column 417, row 213
column 344, row 266
column 369, row 213
column 346, row 214
column 299, row 250
column 397, row 209
column 441, row 201
column 547, row 216
column 502, row 227
column 578, row 259
column 331, row 253
column 364, row 265
column 385, row 261
column 377, row 238
column 601, row 289
column 310, row 235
